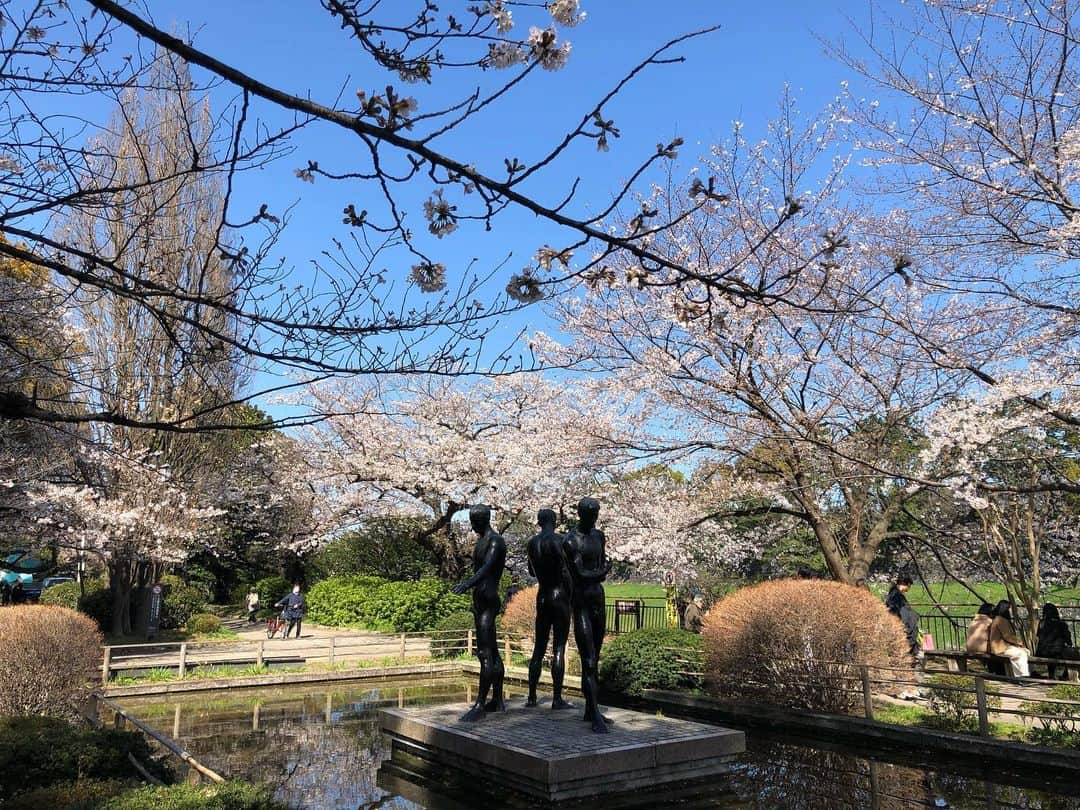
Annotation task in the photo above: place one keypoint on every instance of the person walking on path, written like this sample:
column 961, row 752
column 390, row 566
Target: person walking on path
column 1054, row 639
column 252, row 604
column 695, row 614
column 294, row 605
column 898, row 606
column 1005, row 643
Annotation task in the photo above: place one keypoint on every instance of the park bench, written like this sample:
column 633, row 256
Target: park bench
column 957, row 661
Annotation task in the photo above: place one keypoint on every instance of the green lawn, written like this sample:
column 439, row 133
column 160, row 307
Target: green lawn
column 952, row 593
column 652, row 593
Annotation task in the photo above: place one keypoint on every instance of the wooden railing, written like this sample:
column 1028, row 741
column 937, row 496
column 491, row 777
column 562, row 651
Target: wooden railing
column 188, row 657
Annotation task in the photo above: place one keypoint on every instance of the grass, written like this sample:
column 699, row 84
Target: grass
column 953, row 593
column 924, row 718
column 164, row 674
column 651, row 593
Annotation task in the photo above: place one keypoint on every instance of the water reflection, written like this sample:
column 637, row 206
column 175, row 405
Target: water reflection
column 321, row 748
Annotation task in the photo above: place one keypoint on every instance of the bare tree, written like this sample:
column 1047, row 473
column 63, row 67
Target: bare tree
column 356, row 316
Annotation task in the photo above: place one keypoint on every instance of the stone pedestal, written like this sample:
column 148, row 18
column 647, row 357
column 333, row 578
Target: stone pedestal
column 554, row 755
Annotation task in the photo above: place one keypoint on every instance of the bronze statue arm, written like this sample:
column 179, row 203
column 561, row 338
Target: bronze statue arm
column 490, row 561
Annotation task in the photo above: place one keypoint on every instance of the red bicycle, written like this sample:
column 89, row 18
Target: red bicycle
column 274, row 625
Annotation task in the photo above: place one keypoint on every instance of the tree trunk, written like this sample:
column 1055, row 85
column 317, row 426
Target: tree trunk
column 120, row 572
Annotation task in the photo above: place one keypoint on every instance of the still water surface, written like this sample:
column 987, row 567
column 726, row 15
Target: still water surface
column 320, row 746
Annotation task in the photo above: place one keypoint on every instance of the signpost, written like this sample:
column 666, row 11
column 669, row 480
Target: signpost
column 154, row 621
column 627, row 607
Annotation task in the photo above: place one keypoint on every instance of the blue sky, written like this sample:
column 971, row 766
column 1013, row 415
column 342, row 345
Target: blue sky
column 737, row 72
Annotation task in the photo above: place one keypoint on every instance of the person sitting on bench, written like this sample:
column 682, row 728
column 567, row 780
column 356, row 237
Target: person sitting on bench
column 1003, row 641
column 1054, row 640
column 978, row 637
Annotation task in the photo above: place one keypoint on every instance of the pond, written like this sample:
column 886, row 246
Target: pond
column 320, row 746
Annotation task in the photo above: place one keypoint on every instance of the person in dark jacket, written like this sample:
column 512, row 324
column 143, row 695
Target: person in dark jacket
column 294, row 605
column 1054, row 639
column 898, row 606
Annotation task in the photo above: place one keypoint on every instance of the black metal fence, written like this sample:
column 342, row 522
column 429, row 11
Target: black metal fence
column 624, row 615
column 948, row 624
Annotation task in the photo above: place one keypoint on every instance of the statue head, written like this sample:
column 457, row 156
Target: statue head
column 545, row 518
column 588, row 510
column 480, row 518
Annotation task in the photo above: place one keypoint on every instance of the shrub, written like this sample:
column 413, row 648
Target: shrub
column 953, row 702
column 452, row 641
column 204, row 623
column 794, row 643
column 1060, row 724
column 519, row 617
column 92, row 598
column 271, row 589
column 179, row 605
column 38, row 752
column 375, row 603
column 224, row 796
column 46, row 656
column 86, row 794
column 650, row 659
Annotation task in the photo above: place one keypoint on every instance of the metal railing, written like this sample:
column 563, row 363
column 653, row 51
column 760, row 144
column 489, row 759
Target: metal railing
column 980, row 697
column 948, row 623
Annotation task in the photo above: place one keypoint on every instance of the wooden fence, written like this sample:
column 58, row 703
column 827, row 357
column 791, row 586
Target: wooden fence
column 188, row 657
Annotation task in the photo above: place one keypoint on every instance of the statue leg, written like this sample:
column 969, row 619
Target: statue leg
column 536, row 663
column 486, row 627
column 486, row 652
column 598, row 620
column 589, row 685
column 561, row 626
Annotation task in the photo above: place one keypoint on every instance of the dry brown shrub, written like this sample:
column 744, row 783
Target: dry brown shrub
column 519, row 616
column 47, row 655
column 798, row 643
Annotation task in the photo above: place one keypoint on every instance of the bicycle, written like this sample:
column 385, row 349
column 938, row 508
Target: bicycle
column 275, row 624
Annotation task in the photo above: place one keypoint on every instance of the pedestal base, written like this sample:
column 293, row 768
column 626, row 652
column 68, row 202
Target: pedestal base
column 554, row 755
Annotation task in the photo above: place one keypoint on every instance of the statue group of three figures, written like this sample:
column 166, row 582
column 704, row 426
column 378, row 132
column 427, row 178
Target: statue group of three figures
column 570, row 572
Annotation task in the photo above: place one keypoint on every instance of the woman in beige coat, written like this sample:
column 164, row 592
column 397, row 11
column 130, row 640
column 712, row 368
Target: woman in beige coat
column 1005, row 642
column 978, row 634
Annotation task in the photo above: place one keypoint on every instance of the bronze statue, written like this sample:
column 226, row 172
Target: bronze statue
column 583, row 547
column 489, row 557
column 554, row 586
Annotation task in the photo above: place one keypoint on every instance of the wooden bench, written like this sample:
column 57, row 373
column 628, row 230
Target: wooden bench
column 957, row 661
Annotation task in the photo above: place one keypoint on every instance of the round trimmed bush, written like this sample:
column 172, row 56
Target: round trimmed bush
column 797, row 643
column 650, row 659
column 48, row 656
column 204, row 623
column 92, row 598
column 451, row 634
column 180, row 604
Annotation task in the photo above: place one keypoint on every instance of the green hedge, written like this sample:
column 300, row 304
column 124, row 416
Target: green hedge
column 43, row 751
column 453, row 643
column 377, row 604
column 1059, row 725
column 95, row 602
column 270, row 590
column 180, row 604
column 647, row 659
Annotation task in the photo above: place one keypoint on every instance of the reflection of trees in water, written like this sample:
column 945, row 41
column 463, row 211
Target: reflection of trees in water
column 965, row 793
column 788, row 777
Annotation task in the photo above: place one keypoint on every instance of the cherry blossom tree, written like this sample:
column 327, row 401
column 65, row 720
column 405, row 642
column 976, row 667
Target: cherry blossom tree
column 818, row 402
column 430, row 448
column 134, row 514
